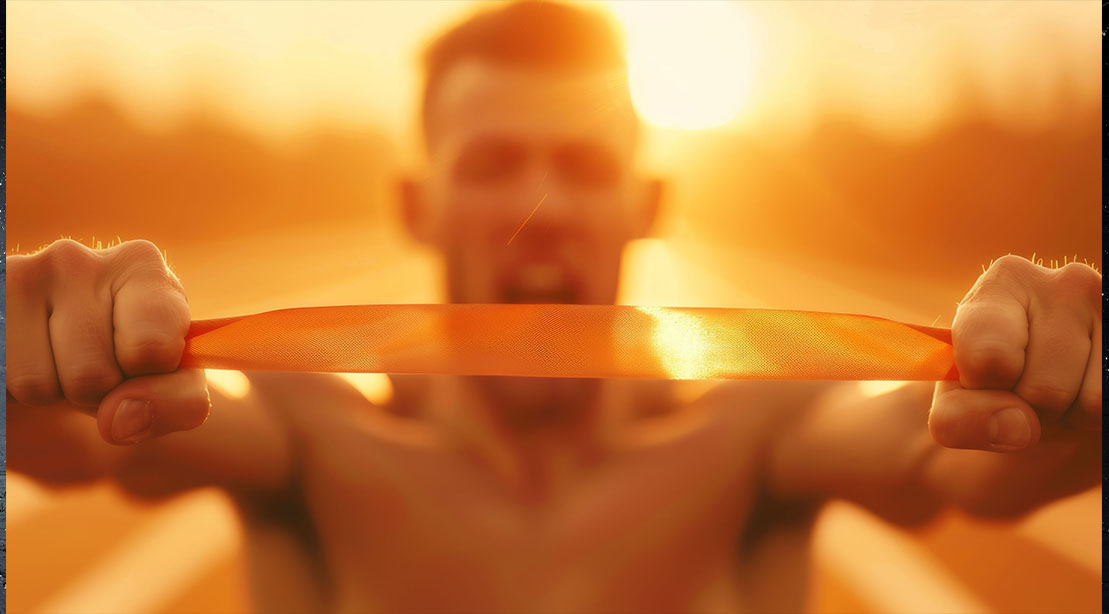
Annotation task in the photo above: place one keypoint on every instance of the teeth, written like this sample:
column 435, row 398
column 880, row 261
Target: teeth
column 541, row 278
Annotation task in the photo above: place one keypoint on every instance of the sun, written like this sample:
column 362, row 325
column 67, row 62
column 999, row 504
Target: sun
column 690, row 64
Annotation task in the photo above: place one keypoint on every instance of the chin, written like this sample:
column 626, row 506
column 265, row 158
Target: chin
column 535, row 401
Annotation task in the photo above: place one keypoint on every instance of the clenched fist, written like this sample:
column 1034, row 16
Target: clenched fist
column 1027, row 343
column 103, row 329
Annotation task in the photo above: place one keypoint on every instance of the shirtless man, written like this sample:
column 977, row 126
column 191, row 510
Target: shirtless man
column 519, row 495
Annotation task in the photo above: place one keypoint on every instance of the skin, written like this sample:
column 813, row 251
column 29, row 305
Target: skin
column 513, row 495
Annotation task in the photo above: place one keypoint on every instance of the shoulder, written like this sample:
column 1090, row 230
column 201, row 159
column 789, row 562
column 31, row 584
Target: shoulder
column 741, row 416
column 300, row 392
column 772, row 402
column 369, row 409
column 307, row 405
column 755, row 416
column 272, row 383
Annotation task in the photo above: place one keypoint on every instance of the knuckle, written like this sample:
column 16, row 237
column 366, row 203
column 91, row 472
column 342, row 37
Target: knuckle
column 33, row 389
column 153, row 351
column 143, row 260
column 989, row 360
column 1004, row 276
column 66, row 248
column 1079, row 279
column 1010, row 265
column 26, row 275
column 89, row 383
column 140, row 252
column 1050, row 396
column 175, row 309
column 69, row 259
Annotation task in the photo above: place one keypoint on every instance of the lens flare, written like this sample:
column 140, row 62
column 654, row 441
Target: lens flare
column 229, row 382
column 690, row 64
column 376, row 387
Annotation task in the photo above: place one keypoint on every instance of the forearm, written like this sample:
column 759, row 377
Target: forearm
column 1010, row 485
column 240, row 447
column 58, row 446
column 877, row 452
column 243, row 447
column 862, row 448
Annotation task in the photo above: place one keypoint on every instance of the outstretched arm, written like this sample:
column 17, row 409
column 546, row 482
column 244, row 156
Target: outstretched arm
column 94, row 389
column 1019, row 429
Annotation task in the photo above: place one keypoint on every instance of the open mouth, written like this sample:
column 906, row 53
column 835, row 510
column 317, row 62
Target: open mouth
column 540, row 283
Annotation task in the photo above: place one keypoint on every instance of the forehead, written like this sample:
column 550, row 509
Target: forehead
column 478, row 98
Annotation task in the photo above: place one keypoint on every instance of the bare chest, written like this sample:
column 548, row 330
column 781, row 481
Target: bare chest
column 647, row 529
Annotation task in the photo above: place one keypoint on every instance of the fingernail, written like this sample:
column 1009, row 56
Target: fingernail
column 132, row 421
column 1009, row 430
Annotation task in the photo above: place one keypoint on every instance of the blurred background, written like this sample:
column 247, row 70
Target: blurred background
column 865, row 157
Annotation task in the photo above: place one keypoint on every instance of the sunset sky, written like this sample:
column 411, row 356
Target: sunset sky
column 283, row 67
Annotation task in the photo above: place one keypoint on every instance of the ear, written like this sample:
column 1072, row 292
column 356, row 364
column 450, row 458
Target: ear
column 644, row 215
column 414, row 210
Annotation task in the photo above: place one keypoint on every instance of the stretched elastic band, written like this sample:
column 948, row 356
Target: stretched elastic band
column 574, row 341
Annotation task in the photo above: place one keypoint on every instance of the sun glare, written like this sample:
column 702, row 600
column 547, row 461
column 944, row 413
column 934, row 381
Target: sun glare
column 877, row 388
column 691, row 64
column 376, row 387
column 231, row 383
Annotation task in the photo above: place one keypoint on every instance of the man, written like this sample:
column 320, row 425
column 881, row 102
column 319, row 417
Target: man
column 515, row 494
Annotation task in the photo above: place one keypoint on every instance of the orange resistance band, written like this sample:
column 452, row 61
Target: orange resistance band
column 574, row 341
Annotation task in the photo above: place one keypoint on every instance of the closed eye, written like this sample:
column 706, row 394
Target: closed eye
column 587, row 164
column 489, row 160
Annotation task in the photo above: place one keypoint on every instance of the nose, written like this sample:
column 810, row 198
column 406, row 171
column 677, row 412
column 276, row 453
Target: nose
column 549, row 214
column 553, row 200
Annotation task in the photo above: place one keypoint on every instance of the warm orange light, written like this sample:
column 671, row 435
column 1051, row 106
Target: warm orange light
column 231, row 383
column 690, row 64
column 376, row 387
column 682, row 344
column 876, row 388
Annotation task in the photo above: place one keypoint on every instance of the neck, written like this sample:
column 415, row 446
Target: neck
column 535, row 435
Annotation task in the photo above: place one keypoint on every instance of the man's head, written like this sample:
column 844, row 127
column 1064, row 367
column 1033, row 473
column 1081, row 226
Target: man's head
column 528, row 122
column 530, row 191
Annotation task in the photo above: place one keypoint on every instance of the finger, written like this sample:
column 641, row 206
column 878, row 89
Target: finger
column 150, row 314
column 81, row 339
column 154, row 405
column 31, row 377
column 996, row 420
column 1056, row 358
column 990, row 331
column 1085, row 413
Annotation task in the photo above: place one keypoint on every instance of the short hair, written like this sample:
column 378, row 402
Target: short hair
column 532, row 34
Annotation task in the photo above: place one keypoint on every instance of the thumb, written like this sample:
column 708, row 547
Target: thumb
column 154, row 405
column 995, row 420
